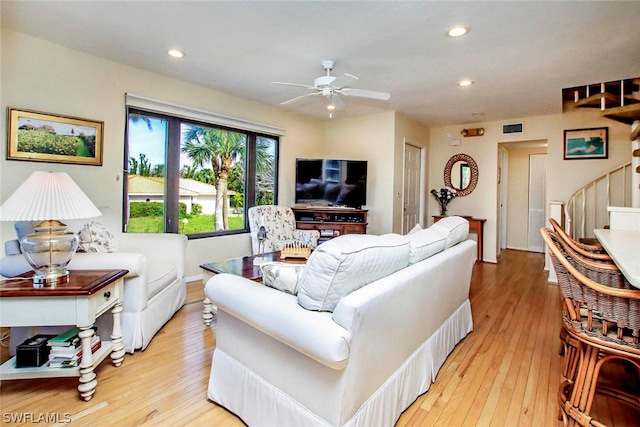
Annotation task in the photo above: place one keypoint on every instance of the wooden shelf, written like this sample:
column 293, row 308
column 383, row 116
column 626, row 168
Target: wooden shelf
column 593, row 101
column 8, row 370
column 626, row 114
column 331, row 222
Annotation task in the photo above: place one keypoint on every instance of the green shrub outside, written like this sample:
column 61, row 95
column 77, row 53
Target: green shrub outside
column 156, row 209
column 148, row 217
column 142, row 209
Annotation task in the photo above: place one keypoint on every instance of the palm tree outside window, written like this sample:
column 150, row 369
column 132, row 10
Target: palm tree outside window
column 194, row 178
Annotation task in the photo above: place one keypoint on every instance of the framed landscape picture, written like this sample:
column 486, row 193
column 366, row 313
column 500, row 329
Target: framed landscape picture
column 592, row 143
column 53, row 138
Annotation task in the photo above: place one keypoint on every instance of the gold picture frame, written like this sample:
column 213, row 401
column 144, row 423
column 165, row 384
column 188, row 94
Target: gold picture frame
column 53, row 138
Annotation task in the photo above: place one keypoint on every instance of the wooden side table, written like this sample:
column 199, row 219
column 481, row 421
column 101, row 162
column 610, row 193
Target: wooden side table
column 80, row 301
column 476, row 225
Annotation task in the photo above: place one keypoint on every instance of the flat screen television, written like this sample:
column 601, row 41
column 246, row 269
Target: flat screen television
column 330, row 182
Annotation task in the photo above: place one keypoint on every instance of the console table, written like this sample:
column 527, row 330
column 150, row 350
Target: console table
column 331, row 221
column 80, row 301
column 476, row 225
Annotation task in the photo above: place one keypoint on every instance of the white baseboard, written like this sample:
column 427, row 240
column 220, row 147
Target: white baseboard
column 193, row 278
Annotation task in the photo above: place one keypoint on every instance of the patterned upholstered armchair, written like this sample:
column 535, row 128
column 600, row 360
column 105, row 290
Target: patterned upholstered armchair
column 280, row 225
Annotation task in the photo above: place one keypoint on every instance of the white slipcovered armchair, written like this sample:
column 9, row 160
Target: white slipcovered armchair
column 280, row 225
column 154, row 288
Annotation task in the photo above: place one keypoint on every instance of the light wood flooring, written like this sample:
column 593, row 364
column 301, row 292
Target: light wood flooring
column 505, row 373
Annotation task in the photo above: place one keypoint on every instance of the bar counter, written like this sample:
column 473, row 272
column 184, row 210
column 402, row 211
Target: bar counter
column 624, row 247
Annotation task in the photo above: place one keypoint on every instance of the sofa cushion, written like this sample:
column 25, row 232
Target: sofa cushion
column 346, row 263
column 455, row 228
column 23, row 228
column 12, row 247
column 282, row 276
column 425, row 243
column 94, row 237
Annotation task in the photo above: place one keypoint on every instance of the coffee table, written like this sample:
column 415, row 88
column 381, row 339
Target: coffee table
column 241, row 266
column 80, row 301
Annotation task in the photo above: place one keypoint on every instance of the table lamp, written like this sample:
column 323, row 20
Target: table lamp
column 48, row 197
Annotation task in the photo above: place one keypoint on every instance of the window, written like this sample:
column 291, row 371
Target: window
column 195, row 178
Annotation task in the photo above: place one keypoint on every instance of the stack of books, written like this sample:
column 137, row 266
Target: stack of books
column 66, row 348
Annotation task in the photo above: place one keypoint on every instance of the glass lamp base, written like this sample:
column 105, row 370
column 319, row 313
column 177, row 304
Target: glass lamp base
column 49, row 250
column 50, row 277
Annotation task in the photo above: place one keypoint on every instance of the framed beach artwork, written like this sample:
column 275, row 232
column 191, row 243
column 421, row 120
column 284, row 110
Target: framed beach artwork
column 44, row 137
column 592, row 143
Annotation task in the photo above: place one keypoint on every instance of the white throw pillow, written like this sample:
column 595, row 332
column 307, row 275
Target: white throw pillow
column 94, row 237
column 346, row 263
column 282, row 276
column 456, row 228
column 425, row 243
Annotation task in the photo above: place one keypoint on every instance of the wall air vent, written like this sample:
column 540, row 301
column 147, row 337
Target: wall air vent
column 512, row 128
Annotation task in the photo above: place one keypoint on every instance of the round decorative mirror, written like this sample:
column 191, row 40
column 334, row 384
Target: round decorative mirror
column 461, row 174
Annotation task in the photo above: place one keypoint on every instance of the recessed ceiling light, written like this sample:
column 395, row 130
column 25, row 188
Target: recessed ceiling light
column 176, row 53
column 457, row 31
column 465, row 82
column 331, row 107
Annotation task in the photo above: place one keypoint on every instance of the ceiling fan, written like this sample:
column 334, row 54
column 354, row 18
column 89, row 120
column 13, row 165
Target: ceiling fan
column 333, row 87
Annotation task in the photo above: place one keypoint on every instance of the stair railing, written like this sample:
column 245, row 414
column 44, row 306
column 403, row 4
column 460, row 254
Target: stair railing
column 587, row 209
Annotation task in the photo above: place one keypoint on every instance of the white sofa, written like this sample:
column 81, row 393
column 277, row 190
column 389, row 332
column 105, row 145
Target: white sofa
column 154, row 288
column 371, row 351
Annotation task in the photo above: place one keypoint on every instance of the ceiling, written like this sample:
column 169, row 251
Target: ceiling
column 520, row 54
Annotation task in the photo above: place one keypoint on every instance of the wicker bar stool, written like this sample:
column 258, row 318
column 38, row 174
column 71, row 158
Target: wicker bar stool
column 601, row 313
column 596, row 253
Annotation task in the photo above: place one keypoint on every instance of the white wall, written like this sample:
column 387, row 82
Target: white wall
column 379, row 139
column 564, row 177
column 38, row 75
column 367, row 138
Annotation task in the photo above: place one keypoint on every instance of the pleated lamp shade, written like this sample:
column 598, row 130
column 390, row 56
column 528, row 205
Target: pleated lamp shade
column 48, row 195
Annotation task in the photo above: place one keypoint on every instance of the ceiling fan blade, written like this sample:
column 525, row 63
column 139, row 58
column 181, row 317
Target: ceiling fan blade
column 297, row 98
column 343, row 80
column 337, row 102
column 294, row 84
column 363, row 93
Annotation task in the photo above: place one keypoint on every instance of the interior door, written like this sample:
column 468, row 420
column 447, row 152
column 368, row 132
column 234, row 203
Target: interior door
column 537, row 173
column 411, row 196
column 503, row 174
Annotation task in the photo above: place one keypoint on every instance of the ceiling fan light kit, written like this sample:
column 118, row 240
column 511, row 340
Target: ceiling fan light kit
column 333, row 88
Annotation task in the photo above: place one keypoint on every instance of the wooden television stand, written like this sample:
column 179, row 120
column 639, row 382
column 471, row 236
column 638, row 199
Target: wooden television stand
column 331, row 221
